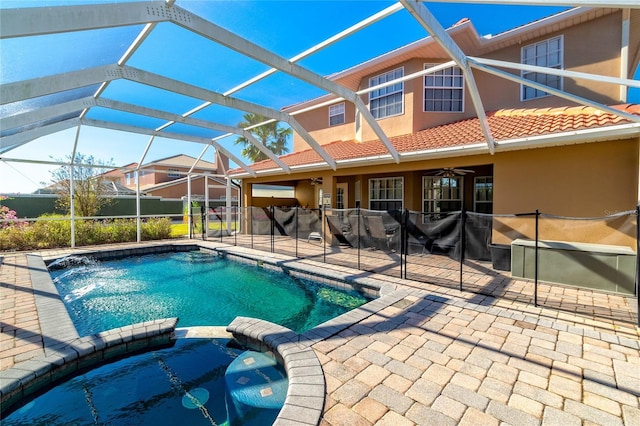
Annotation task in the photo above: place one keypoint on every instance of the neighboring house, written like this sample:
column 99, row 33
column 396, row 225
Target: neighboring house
column 110, row 186
column 550, row 153
column 167, row 178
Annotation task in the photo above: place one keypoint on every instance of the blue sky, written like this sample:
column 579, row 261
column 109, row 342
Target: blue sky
column 284, row 27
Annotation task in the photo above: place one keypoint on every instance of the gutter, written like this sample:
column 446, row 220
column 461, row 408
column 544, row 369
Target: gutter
column 609, row 133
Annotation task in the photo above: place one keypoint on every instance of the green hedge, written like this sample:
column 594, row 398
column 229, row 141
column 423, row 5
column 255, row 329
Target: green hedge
column 51, row 232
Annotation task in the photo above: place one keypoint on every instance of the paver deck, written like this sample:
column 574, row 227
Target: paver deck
column 437, row 356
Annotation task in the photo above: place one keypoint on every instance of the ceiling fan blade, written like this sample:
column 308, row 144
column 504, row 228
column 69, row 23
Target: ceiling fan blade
column 462, row 171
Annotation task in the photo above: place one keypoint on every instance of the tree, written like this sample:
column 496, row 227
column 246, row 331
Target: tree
column 270, row 135
column 90, row 189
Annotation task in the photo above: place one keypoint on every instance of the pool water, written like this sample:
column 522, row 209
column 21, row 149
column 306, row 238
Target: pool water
column 199, row 288
column 181, row 385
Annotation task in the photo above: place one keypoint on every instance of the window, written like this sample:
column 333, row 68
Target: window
column 483, row 194
column 385, row 193
column 173, row 173
column 336, row 114
column 441, row 194
column 387, row 101
column 127, row 178
column 276, row 191
column 339, row 197
column 547, row 53
column 444, row 90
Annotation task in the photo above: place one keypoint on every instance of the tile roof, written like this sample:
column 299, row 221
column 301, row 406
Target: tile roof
column 505, row 124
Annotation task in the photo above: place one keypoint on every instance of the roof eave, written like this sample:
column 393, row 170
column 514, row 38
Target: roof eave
column 590, row 135
column 601, row 134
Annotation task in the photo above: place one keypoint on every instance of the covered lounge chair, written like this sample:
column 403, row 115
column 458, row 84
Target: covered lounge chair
column 377, row 231
column 339, row 229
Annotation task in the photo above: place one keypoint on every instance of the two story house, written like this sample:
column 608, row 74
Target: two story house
column 549, row 153
column 167, row 178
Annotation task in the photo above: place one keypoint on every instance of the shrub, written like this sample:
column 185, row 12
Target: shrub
column 49, row 231
column 156, row 229
column 14, row 238
column 122, row 231
column 52, row 231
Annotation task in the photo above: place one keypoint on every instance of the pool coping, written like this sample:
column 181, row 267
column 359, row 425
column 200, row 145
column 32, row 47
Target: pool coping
column 68, row 354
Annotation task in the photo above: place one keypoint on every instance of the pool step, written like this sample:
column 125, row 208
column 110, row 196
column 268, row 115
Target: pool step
column 255, row 385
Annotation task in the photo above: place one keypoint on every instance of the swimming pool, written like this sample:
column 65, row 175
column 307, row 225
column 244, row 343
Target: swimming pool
column 196, row 382
column 199, row 287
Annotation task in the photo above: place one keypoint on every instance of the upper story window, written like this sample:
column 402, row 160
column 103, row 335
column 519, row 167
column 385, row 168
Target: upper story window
column 444, row 90
column 127, row 178
column 546, row 53
column 173, row 173
column 389, row 100
column 336, row 114
column 385, row 193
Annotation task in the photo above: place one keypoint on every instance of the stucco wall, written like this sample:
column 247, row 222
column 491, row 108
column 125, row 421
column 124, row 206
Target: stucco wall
column 593, row 47
column 586, row 180
column 583, row 181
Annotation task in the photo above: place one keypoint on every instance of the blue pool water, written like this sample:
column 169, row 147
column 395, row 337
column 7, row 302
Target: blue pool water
column 182, row 385
column 199, row 288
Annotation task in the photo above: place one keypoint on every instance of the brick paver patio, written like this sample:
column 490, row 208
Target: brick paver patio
column 441, row 356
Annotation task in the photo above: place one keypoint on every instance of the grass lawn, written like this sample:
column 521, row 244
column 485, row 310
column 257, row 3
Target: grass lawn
column 181, row 229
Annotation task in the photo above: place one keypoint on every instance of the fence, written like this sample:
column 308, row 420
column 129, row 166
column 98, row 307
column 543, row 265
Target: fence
column 531, row 257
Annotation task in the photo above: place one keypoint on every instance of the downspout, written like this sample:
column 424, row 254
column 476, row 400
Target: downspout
column 624, row 52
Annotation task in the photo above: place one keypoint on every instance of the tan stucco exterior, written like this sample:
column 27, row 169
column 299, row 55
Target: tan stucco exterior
column 579, row 178
column 592, row 47
column 586, row 180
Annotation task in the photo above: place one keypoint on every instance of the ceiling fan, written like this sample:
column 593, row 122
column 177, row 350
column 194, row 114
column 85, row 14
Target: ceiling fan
column 450, row 172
